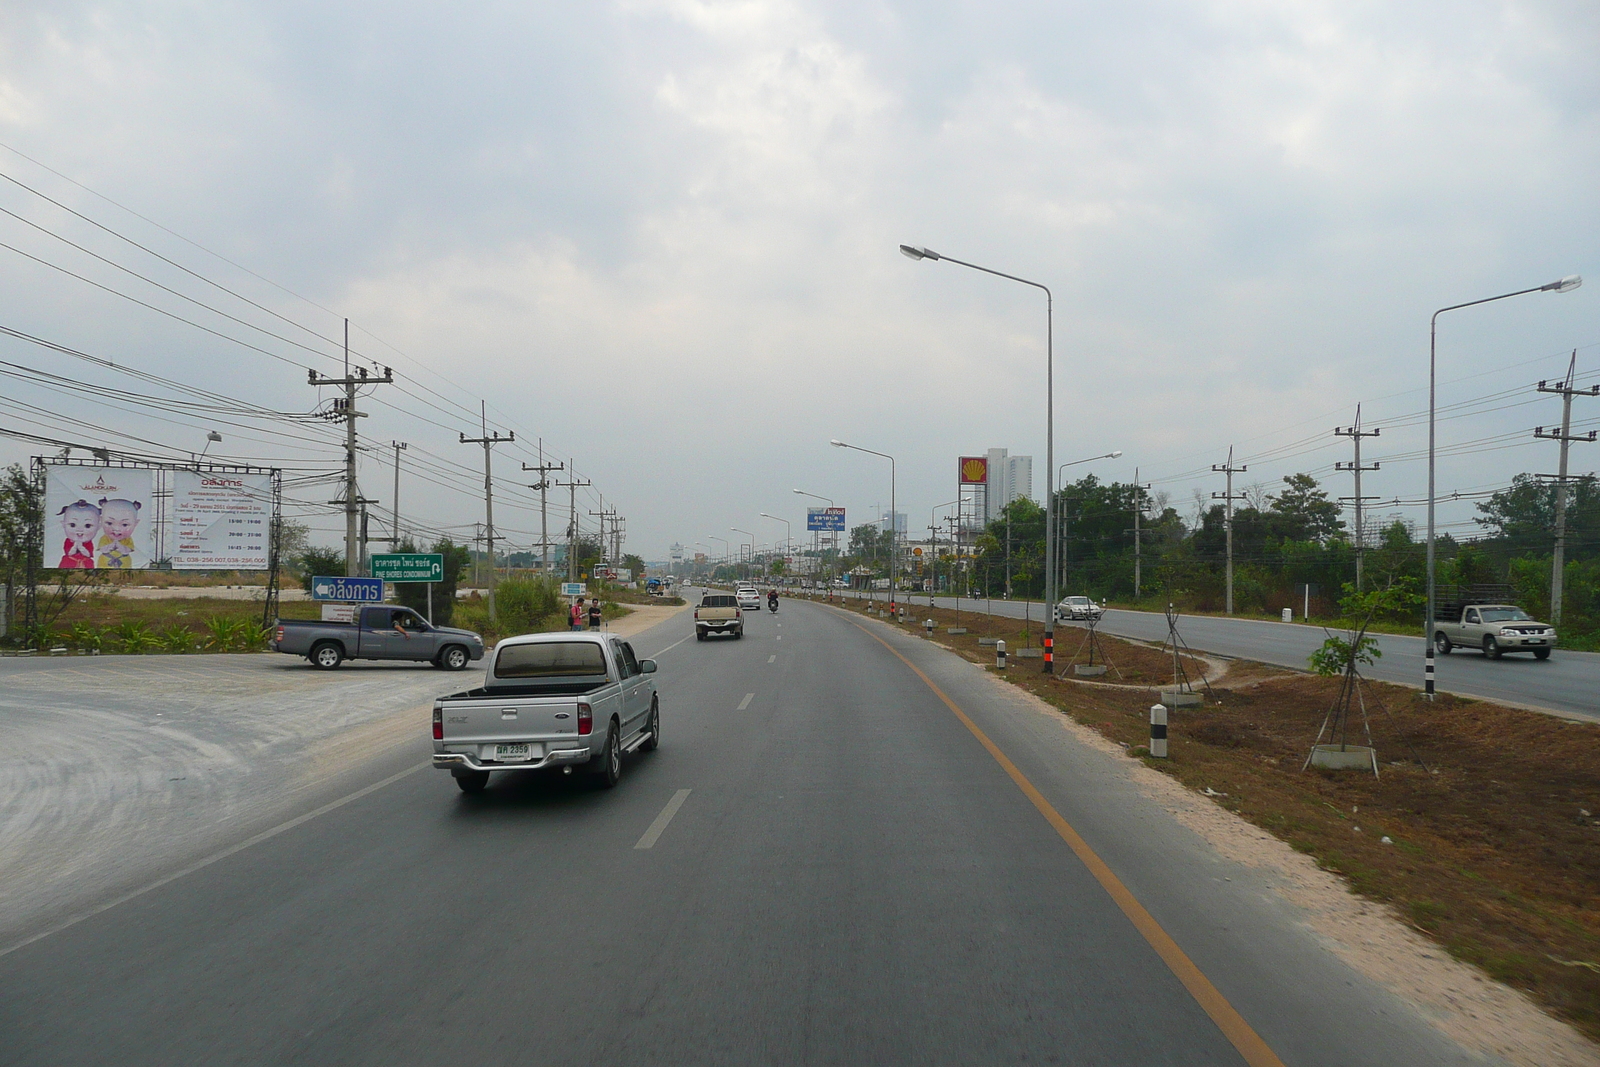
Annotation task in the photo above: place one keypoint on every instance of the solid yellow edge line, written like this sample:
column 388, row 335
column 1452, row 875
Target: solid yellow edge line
column 1238, row 1032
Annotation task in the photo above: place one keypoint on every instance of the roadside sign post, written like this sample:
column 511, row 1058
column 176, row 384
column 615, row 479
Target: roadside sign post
column 427, row 567
column 574, row 589
column 354, row 590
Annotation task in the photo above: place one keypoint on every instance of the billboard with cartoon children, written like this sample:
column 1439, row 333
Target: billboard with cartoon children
column 97, row 518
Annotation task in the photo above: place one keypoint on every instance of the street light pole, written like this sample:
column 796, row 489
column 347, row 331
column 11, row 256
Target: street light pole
column 912, row 252
column 1061, row 478
column 747, row 533
column 788, row 536
column 727, row 549
column 894, row 537
column 1565, row 285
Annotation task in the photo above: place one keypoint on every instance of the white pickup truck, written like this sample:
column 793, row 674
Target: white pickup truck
column 1493, row 629
column 550, row 700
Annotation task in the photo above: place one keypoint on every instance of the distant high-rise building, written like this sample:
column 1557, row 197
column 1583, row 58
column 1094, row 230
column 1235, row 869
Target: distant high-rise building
column 1010, row 477
column 899, row 523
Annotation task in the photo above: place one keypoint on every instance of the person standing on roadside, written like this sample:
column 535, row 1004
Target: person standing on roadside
column 575, row 615
column 594, row 613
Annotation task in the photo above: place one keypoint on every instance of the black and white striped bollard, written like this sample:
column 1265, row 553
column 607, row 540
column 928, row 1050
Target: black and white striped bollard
column 1158, row 731
column 999, row 655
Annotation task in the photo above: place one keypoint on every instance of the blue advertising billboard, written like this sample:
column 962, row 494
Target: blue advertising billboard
column 825, row 519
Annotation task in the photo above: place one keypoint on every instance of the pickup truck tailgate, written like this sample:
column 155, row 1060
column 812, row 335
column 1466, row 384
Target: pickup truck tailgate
column 510, row 729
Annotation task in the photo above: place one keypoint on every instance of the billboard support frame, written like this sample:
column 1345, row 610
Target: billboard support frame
column 101, row 458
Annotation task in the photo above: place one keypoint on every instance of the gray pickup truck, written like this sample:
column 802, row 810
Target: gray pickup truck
column 550, row 700
column 1493, row 629
column 383, row 632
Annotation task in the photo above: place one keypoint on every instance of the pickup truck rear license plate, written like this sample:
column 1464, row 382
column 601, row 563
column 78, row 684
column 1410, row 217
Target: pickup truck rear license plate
column 512, row 752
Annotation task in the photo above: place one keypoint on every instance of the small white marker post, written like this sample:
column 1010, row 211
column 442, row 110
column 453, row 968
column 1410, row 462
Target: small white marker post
column 1158, row 731
column 999, row 655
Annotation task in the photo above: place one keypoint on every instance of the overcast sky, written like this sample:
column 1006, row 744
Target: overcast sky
column 662, row 237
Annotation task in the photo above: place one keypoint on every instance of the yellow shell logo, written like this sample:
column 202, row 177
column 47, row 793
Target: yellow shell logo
column 975, row 469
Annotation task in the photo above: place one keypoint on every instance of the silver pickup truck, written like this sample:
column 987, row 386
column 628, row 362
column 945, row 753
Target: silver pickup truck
column 1493, row 629
column 378, row 633
column 550, row 700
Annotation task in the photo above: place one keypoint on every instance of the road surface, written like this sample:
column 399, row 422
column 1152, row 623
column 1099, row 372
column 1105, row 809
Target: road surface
column 823, row 864
column 1568, row 682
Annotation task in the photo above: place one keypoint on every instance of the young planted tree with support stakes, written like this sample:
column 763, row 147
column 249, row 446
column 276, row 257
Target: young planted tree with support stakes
column 1342, row 656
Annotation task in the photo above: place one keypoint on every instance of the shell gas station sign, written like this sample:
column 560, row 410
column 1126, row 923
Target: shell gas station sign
column 974, row 470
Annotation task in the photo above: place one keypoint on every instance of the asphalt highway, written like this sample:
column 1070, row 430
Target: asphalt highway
column 1568, row 682
column 823, row 864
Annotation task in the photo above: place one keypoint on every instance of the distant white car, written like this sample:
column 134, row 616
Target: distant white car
column 1078, row 607
column 749, row 599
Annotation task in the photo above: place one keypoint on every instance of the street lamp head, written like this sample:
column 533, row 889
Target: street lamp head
column 1565, row 285
column 1114, row 455
column 836, row 444
column 912, row 252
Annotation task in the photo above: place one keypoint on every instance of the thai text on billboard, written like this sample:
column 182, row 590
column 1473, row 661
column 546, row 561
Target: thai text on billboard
column 825, row 518
column 221, row 521
column 98, row 517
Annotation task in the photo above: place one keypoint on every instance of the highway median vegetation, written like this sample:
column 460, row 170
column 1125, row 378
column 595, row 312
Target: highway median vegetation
column 1481, row 829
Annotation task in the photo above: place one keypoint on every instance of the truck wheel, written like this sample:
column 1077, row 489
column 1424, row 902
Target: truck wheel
column 1541, row 653
column 454, row 658
column 610, row 770
column 472, row 781
column 327, row 656
column 1491, row 648
column 699, row 635
column 655, row 726
column 1442, row 643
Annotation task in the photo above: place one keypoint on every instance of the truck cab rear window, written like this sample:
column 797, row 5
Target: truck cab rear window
column 719, row 602
column 557, row 659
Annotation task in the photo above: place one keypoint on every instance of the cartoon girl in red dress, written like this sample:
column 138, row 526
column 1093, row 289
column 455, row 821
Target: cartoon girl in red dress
column 80, row 521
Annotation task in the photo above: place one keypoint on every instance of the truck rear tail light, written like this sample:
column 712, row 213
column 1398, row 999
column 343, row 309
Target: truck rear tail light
column 697, row 613
column 280, row 634
column 585, row 720
column 438, row 723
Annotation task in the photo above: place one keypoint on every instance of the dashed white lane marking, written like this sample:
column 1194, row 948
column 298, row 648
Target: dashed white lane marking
column 672, row 646
column 745, row 703
column 778, row 638
column 772, row 659
column 652, row 835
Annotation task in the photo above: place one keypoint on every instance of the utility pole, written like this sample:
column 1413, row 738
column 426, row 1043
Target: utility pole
column 488, row 444
column 543, row 485
column 1558, row 561
column 345, row 408
column 572, row 523
column 394, row 541
column 1138, row 539
column 1229, row 497
column 1356, row 433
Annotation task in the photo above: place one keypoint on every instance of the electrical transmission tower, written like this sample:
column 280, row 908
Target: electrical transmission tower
column 345, row 408
column 1566, row 437
column 1356, row 433
column 1228, row 498
column 572, row 520
column 543, row 485
column 488, row 442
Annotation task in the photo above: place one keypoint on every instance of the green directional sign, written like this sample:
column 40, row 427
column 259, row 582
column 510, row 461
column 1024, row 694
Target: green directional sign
column 408, row 566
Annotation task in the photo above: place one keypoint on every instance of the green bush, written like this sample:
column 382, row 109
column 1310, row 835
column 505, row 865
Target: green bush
column 526, row 604
column 177, row 639
column 87, row 638
column 134, row 637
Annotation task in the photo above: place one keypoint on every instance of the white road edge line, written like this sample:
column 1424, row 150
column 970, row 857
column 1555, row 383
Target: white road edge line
column 657, row 828
column 213, row 858
column 745, row 703
column 772, row 659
